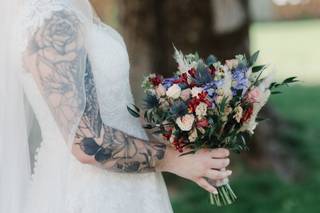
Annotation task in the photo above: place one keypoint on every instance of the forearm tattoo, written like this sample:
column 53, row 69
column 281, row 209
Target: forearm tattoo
column 58, row 61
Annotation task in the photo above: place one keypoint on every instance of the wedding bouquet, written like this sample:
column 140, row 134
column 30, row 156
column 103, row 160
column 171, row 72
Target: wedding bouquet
column 208, row 104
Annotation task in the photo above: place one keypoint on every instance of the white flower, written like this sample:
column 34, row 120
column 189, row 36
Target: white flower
column 185, row 122
column 239, row 112
column 233, row 63
column 193, row 135
column 174, row 91
column 195, row 91
column 160, row 90
column 201, row 110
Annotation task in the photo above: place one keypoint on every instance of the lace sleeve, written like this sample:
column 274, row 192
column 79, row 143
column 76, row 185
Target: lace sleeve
column 57, row 59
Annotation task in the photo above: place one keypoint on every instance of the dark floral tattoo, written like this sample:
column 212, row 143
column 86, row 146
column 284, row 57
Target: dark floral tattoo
column 57, row 59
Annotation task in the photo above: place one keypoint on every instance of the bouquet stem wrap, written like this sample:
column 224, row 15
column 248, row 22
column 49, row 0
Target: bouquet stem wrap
column 225, row 195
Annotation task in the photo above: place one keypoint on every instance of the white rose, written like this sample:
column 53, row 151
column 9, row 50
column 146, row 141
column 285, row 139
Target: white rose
column 174, row 91
column 193, row 135
column 201, row 110
column 160, row 90
column 195, row 91
column 185, row 122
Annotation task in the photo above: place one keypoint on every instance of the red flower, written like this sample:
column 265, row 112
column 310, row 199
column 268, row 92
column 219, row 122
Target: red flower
column 168, row 133
column 183, row 78
column 193, row 103
column 202, row 123
column 247, row 114
column 203, row 96
column 192, row 72
column 156, row 80
column 212, row 70
column 178, row 144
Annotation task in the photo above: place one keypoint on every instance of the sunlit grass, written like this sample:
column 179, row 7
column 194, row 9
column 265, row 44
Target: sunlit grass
column 292, row 48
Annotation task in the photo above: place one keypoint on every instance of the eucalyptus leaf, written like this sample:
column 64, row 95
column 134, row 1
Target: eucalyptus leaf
column 258, row 68
column 254, row 57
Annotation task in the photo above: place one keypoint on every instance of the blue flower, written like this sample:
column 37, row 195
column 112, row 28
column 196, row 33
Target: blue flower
column 212, row 87
column 240, row 80
column 178, row 109
column 168, row 82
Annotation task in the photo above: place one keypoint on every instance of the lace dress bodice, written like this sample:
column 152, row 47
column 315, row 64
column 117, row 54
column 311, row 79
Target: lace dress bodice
column 91, row 189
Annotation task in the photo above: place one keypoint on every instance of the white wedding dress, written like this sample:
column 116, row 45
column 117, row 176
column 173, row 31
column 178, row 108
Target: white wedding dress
column 91, row 189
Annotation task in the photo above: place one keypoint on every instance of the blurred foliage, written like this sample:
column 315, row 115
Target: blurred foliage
column 262, row 191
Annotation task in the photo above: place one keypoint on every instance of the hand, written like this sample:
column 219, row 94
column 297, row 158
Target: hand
column 206, row 163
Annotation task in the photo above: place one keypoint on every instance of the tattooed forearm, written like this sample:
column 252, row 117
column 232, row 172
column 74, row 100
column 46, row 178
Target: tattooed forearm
column 58, row 61
column 112, row 148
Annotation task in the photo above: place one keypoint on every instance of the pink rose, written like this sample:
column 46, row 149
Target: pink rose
column 160, row 90
column 185, row 94
column 254, row 95
column 185, row 123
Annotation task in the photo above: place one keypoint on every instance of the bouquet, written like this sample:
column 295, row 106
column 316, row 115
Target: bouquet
column 208, row 104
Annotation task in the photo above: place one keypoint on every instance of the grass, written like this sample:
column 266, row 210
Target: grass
column 294, row 49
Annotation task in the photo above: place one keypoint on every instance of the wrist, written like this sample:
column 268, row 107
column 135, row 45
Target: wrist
column 164, row 165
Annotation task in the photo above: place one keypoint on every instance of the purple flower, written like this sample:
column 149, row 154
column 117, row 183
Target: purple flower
column 212, row 87
column 240, row 80
column 168, row 82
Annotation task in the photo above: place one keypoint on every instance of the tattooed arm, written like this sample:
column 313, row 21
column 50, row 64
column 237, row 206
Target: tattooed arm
column 57, row 59
column 108, row 147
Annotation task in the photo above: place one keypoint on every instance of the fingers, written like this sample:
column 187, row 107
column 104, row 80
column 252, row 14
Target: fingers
column 218, row 175
column 203, row 183
column 219, row 153
column 218, row 163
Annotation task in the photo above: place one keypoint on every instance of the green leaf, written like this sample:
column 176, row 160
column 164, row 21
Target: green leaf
column 148, row 126
column 276, row 92
column 134, row 112
column 258, row 119
column 254, row 57
column 290, row 80
column 258, row 68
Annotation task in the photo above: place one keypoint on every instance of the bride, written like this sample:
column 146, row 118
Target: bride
column 72, row 70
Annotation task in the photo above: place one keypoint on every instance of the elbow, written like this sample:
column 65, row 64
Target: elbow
column 83, row 159
column 81, row 156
